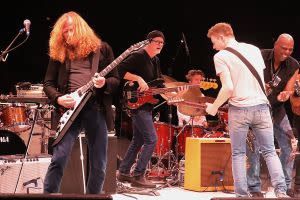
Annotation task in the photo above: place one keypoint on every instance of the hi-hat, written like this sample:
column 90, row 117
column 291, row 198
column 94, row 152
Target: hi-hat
column 191, row 108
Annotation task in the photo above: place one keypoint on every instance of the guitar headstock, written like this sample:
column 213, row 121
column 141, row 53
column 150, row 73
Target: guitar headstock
column 209, row 84
column 138, row 45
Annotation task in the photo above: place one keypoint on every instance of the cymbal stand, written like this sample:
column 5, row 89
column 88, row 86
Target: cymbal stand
column 176, row 148
column 170, row 135
column 169, row 154
column 80, row 136
column 27, row 145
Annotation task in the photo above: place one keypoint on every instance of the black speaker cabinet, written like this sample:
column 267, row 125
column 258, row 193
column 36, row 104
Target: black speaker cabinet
column 72, row 182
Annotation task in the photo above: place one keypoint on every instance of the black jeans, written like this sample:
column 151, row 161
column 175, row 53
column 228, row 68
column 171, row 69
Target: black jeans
column 143, row 141
column 93, row 121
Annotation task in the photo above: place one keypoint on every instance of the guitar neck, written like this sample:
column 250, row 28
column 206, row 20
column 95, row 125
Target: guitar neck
column 155, row 91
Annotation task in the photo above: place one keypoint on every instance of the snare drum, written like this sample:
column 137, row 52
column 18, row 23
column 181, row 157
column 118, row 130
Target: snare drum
column 14, row 118
column 198, row 132
column 164, row 142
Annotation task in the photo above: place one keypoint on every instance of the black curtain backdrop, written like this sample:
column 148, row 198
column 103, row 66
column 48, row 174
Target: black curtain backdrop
column 122, row 24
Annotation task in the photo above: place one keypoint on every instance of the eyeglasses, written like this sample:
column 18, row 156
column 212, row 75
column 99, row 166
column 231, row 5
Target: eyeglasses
column 158, row 42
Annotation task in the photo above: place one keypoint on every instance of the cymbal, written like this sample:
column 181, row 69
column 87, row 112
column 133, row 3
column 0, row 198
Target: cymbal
column 168, row 79
column 193, row 95
column 191, row 108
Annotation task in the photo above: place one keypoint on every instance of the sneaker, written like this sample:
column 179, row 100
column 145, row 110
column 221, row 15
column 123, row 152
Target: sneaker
column 257, row 194
column 290, row 192
column 282, row 195
column 124, row 177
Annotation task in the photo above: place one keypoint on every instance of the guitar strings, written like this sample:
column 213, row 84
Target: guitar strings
column 153, row 91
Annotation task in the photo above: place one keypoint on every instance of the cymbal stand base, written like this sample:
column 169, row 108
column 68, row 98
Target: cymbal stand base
column 159, row 169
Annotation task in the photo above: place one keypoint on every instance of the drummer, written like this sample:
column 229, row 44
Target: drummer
column 194, row 77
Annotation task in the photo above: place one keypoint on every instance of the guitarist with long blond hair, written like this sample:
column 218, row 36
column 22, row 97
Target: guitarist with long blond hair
column 76, row 55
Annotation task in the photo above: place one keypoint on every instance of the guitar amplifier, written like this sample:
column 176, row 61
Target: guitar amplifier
column 208, row 164
column 32, row 175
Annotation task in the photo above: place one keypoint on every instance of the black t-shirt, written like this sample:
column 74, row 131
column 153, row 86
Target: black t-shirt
column 141, row 64
column 285, row 71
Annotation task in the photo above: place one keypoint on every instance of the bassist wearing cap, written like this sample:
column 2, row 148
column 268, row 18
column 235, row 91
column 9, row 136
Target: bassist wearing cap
column 142, row 67
column 76, row 55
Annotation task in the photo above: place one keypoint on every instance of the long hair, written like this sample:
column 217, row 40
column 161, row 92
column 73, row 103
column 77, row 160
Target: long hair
column 87, row 40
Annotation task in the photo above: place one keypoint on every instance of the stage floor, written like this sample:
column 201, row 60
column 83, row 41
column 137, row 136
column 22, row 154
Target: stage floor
column 173, row 192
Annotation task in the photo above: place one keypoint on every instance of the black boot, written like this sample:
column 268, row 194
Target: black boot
column 141, row 181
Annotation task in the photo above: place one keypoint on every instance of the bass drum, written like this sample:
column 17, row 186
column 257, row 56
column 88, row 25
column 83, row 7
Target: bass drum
column 11, row 143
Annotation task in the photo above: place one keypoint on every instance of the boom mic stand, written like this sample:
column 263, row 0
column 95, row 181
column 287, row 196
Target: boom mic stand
column 4, row 53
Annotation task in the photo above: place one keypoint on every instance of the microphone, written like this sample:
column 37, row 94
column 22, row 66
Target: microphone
column 185, row 45
column 27, row 26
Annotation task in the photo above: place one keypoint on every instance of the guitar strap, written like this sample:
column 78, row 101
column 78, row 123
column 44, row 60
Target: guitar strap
column 95, row 62
column 252, row 70
column 248, row 64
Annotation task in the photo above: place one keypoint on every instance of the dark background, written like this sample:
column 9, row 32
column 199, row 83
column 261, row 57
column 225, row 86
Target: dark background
column 122, row 24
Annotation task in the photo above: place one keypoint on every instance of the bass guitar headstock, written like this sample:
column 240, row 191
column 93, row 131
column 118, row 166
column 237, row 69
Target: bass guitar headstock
column 211, row 83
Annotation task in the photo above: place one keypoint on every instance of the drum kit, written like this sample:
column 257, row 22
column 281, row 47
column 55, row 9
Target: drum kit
column 170, row 147
column 25, row 120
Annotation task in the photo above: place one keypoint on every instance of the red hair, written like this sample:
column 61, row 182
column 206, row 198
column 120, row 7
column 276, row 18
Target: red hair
column 88, row 41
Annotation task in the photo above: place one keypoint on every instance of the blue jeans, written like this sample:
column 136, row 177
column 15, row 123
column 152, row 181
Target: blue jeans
column 284, row 143
column 144, row 140
column 93, row 121
column 257, row 118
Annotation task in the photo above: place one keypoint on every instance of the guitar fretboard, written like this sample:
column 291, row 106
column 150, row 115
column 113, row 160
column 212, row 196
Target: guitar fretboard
column 107, row 69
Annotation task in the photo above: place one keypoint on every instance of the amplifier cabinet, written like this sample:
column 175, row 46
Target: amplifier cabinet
column 31, row 177
column 208, row 164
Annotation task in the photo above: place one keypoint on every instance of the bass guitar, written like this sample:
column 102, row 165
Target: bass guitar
column 135, row 99
column 82, row 95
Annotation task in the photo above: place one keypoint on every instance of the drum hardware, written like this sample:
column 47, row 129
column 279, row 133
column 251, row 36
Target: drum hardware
column 14, row 117
column 163, row 151
column 27, row 145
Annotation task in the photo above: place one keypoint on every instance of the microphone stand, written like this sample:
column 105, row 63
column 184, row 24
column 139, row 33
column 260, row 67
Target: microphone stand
column 27, row 148
column 4, row 53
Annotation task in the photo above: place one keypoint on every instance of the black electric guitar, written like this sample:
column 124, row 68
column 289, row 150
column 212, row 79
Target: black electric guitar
column 135, row 99
column 82, row 95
